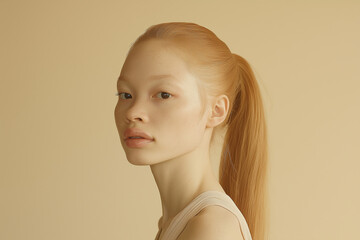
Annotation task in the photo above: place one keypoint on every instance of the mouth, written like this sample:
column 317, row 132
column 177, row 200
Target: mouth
column 136, row 133
column 138, row 138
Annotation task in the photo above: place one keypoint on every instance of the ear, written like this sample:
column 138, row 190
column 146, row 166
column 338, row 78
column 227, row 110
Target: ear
column 220, row 108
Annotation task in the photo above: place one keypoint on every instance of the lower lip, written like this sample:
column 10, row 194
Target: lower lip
column 137, row 142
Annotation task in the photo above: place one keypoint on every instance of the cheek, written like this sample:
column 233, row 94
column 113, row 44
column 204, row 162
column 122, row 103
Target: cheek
column 182, row 122
column 119, row 117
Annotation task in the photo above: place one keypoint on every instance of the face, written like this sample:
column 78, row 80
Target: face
column 166, row 108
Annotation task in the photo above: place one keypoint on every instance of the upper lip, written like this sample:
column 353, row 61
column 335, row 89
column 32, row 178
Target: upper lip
column 135, row 132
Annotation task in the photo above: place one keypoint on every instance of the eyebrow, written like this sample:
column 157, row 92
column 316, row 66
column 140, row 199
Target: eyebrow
column 153, row 77
column 176, row 83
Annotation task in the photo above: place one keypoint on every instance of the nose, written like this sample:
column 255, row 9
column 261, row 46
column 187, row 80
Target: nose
column 136, row 112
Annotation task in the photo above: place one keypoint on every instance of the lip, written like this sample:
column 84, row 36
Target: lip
column 133, row 132
column 137, row 143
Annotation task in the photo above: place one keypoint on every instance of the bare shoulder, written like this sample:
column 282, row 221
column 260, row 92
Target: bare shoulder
column 212, row 223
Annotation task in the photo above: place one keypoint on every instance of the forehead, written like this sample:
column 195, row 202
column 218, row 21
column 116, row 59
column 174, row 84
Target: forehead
column 153, row 61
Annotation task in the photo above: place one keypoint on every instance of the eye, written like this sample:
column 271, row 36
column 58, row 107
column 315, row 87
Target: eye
column 166, row 94
column 120, row 93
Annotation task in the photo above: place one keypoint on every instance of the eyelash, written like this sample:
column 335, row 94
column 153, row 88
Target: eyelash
column 118, row 94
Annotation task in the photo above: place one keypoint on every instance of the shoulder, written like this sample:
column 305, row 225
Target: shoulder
column 212, row 223
column 159, row 222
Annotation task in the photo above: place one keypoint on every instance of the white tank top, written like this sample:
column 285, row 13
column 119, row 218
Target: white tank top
column 203, row 200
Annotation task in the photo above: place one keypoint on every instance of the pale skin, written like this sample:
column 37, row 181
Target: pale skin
column 168, row 109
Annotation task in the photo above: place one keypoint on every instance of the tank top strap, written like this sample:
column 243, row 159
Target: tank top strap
column 203, row 200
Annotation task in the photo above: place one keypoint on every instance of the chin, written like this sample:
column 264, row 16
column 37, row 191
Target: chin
column 138, row 161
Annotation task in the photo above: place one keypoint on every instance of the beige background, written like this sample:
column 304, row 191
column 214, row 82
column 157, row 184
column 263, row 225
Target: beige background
column 63, row 172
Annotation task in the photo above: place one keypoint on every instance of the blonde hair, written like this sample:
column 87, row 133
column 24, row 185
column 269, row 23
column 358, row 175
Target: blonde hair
column 244, row 158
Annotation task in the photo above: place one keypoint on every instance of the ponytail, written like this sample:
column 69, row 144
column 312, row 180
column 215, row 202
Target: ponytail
column 243, row 165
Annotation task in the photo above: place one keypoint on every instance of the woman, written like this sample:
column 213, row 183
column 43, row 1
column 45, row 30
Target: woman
column 179, row 86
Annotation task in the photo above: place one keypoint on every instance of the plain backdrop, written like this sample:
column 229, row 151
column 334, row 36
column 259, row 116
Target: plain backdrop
column 63, row 172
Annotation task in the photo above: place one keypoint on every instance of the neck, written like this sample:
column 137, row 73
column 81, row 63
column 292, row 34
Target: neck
column 180, row 180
